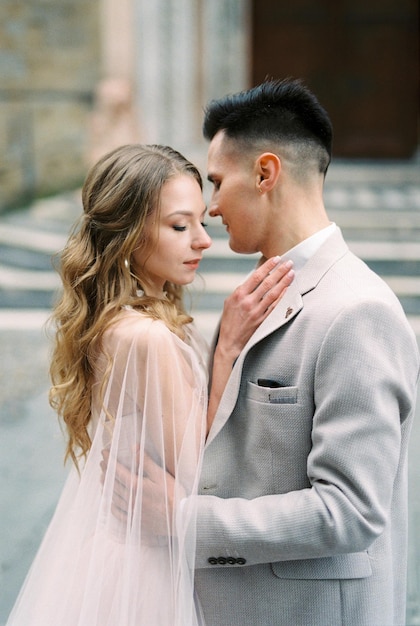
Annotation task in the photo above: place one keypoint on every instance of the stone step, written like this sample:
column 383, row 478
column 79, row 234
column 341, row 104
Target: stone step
column 380, row 222
column 206, row 301
column 374, row 226
column 16, row 261
column 383, row 257
column 31, row 280
column 35, row 289
column 372, row 197
column 365, row 249
column 35, row 239
column 49, row 236
column 26, row 299
column 214, row 282
column 206, row 321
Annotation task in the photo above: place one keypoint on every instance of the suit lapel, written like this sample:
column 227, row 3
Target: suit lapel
column 284, row 313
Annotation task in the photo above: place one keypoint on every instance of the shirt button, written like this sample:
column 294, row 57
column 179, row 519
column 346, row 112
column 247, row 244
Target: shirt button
column 212, row 560
column 221, row 560
column 241, row 561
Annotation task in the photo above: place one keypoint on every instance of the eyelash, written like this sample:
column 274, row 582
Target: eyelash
column 182, row 229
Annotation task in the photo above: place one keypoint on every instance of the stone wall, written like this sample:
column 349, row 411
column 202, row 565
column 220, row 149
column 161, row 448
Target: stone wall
column 49, row 66
column 186, row 53
column 81, row 76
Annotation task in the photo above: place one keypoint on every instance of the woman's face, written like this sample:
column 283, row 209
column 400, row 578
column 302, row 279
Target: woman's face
column 178, row 238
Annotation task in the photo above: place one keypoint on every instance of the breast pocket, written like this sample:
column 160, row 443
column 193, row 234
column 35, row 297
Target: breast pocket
column 272, row 395
column 279, row 434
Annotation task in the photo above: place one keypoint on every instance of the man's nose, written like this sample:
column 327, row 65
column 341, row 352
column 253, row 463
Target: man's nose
column 214, row 209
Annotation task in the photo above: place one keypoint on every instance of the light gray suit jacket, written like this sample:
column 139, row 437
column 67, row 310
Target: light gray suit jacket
column 302, row 518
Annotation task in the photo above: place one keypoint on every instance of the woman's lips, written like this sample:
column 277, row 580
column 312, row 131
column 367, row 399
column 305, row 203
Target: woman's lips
column 193, row 264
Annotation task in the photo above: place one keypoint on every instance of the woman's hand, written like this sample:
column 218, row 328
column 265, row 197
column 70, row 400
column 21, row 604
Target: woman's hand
column 243, row 312
column 248, row 306
column 157, row 489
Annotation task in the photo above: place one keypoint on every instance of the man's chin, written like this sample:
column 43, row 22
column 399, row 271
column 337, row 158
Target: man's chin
column 234, row 247
column 240, row 249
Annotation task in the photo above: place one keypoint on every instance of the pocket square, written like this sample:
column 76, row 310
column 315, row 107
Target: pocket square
column 266, row 382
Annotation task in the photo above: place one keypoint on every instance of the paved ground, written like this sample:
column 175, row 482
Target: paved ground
column 379, row 210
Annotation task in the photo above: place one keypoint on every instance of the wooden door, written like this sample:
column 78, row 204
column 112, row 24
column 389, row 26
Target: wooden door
column 360, row 57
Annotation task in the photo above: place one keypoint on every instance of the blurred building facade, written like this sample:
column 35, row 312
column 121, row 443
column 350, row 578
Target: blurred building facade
column 49, row 54
column 360, row 58
column 81, row 77
column 169, row 57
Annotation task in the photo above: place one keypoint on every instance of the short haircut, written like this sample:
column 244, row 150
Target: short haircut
column 281, row 111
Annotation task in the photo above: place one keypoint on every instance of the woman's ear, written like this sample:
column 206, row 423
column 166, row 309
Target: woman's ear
column 268, row 171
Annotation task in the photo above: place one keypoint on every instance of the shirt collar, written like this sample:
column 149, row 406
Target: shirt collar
column 304, row 250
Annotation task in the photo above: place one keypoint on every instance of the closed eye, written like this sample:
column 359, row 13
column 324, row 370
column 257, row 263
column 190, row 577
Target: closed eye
column 180, row 228
column 214, row 182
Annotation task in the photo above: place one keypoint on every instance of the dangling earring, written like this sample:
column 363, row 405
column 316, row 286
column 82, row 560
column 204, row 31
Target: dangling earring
column 127, row 263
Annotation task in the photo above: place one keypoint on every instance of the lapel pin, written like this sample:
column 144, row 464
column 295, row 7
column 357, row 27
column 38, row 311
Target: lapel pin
column 289, row 311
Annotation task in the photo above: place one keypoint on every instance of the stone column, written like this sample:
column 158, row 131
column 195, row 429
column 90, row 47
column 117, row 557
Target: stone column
column 115, row 119
column 187, row 51
column 166, row 49
column 226, row 46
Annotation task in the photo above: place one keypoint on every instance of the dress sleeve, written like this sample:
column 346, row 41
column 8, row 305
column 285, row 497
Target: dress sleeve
column 157, row 378
column 96, row 566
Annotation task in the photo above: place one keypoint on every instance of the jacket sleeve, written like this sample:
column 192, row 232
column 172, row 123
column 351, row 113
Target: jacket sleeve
column 364, row 389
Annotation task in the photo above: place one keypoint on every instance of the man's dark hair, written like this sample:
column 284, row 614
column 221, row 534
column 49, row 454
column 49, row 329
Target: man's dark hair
column 281, row 111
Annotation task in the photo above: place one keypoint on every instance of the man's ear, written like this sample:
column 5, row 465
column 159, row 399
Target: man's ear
column 268, row 167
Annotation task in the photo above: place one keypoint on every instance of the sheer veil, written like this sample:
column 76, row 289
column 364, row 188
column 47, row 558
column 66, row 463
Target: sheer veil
column 96, row 567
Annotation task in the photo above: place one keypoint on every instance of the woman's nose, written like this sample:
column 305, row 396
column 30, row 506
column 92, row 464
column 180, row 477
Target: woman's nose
column 204, row 241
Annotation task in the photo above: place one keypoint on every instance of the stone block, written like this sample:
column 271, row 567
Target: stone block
column 49, row 64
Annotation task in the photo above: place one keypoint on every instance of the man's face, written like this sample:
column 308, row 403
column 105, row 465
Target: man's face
column 235, row 194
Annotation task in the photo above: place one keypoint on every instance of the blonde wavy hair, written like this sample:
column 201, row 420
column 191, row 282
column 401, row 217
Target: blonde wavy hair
column 120, row 192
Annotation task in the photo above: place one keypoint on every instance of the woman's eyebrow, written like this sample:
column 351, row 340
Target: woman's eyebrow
column 180, row 212
column 185, row 212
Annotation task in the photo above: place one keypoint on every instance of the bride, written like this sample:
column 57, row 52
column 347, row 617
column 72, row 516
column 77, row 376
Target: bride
column 129, row 377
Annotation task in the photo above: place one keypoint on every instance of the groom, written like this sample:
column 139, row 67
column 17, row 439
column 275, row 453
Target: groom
column 302, row 512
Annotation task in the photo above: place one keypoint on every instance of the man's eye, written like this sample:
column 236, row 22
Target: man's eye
column 180, row 228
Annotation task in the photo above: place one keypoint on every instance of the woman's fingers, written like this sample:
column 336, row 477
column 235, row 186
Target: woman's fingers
column 272, row 294
column 250, row 303
column 272, row 280
column 264, row 288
